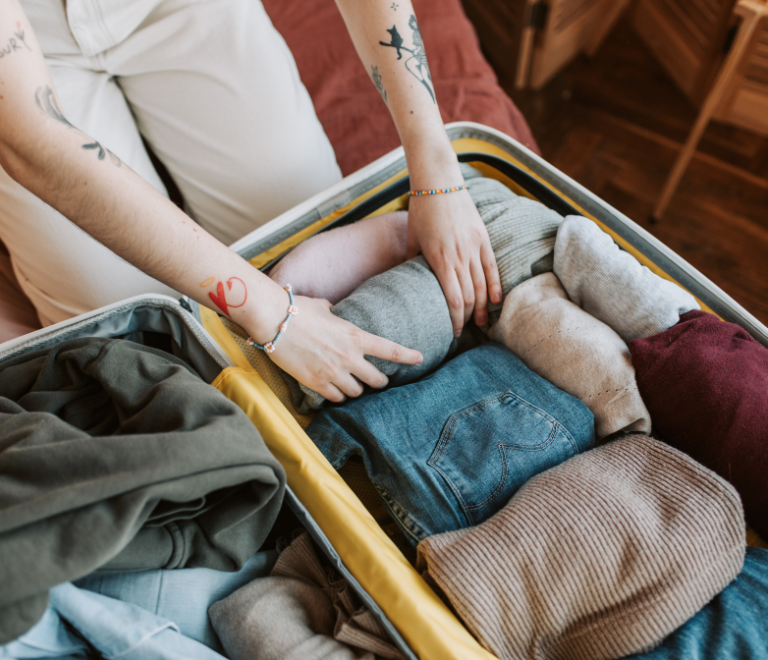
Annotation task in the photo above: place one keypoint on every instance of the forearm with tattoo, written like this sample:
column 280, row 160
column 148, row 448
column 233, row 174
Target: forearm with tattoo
column 417, row 62
column 46, row 101
column 15, row 43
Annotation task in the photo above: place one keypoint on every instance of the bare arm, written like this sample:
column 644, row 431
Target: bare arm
column 447, row 228
column 80, row 178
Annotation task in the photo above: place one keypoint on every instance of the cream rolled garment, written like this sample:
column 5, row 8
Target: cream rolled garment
column 613, row 286
column 574, row 351
column 595, row 559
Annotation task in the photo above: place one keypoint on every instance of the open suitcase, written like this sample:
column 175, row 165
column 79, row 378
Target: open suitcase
column 418, row 621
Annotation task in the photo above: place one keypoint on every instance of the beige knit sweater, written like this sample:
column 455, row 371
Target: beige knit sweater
column 597, row 558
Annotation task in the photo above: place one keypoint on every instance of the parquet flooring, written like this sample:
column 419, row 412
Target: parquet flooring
column 615, row 124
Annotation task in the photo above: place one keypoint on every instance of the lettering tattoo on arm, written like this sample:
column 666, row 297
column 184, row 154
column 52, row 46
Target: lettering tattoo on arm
column 46, row 101
column 376, row 77
column 15, row 43
column 417, row 62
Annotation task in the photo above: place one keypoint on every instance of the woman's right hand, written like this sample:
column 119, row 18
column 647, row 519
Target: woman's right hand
column 327, row 354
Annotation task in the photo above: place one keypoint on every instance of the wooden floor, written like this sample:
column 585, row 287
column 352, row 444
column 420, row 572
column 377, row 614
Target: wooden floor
column 616, row 123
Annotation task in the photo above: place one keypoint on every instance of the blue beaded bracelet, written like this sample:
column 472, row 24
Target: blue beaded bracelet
column 269, row 347
column 436, row 191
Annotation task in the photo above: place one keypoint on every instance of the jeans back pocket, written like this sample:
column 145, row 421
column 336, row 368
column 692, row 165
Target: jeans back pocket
column 487, row 451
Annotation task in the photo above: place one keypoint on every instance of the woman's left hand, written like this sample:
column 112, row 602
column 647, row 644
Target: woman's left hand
column 449, row 232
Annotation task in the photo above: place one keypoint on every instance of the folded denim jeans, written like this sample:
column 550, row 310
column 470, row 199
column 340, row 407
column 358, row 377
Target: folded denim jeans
column 734, row 626
column 449, row 451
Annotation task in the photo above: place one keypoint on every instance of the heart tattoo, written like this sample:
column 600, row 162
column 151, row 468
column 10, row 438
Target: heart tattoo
column 219, row 298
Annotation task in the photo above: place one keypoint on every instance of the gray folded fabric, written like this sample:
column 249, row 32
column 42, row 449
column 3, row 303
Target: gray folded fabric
column 574, row 351
column 611, row 285
column 406, row 304
column 278, row 618
column 118, row 456
column 599, row 557
column 303, row 611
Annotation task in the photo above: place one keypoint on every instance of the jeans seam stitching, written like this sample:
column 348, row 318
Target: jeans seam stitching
column 446, row 432
column 409, row 525
column 502, row 481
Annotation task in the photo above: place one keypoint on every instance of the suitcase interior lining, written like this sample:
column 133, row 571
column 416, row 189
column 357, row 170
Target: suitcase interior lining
column 384, row 198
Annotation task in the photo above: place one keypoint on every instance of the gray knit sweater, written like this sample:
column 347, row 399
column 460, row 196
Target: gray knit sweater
column 406, row 304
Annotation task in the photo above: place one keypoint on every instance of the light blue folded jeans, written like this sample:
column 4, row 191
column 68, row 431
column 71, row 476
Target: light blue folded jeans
column 449, row 451
column 734, row 626
column 182, row 595
column 148, row 615
column 109, row 627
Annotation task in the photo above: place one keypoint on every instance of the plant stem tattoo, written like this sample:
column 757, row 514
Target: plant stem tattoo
column 14, row 43
column 220, row 297
column 376, row 76
column 417, row 62
column 46, row 101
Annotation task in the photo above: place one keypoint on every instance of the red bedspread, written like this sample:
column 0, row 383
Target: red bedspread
column 349, row 107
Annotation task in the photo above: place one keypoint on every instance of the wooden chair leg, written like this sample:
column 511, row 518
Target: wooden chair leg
column 724, row 78
column 525, row 54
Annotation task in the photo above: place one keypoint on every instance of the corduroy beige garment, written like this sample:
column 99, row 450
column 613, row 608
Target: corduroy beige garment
column 574, row 351
column 599, row 557
column 303, row 611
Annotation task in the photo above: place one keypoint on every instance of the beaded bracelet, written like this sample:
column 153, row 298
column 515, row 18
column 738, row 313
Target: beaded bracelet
column 269, row 347
column 436, row 191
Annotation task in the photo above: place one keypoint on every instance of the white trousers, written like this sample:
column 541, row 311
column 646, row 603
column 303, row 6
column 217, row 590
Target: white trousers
column 214, row 90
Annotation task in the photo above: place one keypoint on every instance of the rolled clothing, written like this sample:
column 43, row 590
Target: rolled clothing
column 574, row 351
column 119, row 457
column 613, row 286
column 104, row 628
column 449, row 451
column 597, row 558
column 734, row 626
column 705, row 382
column 303, row 611
column 332, row 264
column 406, row 304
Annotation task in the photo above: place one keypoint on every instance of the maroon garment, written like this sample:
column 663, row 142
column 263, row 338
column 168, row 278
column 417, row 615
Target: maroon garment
column 705, row 383
column 354, row 116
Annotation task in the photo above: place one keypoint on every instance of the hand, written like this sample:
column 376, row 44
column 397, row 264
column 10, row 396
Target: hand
column 452, row 237
column 326, row 353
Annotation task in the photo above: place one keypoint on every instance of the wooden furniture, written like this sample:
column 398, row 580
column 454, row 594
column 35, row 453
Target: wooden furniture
column 536, row 38
column 688, row 37
column 739, row 95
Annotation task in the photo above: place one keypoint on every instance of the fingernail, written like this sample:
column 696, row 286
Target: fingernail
column 457, row 332
column 421, row 359
column 496, row 297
